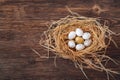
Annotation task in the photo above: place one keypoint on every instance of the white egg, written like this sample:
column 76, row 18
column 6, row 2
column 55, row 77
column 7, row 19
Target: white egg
column 79, row 47
column 71, row 35
column 86, row 35
column 79, row 32
column 87, row 42
column 71, row 44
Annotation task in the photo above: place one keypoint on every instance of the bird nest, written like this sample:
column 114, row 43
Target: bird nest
column 92, row 56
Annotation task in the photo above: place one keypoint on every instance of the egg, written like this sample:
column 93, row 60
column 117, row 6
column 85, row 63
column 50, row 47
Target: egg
column 72, row 35
column 87, row 42
column 71, row 44
column 79, row 32
column 79, row 40
column 79, row 47
column 86, row 35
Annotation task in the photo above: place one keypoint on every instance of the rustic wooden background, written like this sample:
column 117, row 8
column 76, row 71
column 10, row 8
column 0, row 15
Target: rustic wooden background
column 21, row 25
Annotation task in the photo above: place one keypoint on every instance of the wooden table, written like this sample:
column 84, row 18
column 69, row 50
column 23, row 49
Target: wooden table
column 23, row 21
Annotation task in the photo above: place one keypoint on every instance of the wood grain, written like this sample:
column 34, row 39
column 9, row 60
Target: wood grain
column 23, row 21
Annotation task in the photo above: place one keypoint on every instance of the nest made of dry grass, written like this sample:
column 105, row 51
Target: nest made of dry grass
column 92, row 57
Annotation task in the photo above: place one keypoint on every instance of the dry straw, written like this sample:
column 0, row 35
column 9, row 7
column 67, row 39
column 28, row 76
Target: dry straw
column 92, row 57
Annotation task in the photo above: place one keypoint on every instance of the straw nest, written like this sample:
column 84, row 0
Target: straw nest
column 93, row 57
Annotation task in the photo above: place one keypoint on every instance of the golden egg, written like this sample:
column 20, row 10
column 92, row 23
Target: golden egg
column 79, row 40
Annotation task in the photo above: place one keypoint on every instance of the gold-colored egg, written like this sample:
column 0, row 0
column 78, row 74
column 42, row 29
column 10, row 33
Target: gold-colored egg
column 79, row 40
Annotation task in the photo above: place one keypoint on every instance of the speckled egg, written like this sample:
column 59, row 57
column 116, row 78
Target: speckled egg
column 72, row 35
column 71, row 44
column 79, row 32
column 79, row 47
column 79, row 40
column 87, row 42
column 86, row 35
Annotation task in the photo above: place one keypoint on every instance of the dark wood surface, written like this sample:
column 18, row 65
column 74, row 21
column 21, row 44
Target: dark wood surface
column 23, row 21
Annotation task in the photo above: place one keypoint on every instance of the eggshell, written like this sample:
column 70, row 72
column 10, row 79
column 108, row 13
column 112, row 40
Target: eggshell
column 79, row 47
column 87, row 42
column 71, row 44
column 72, row 35
column 86, row 35
column 79, row 32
